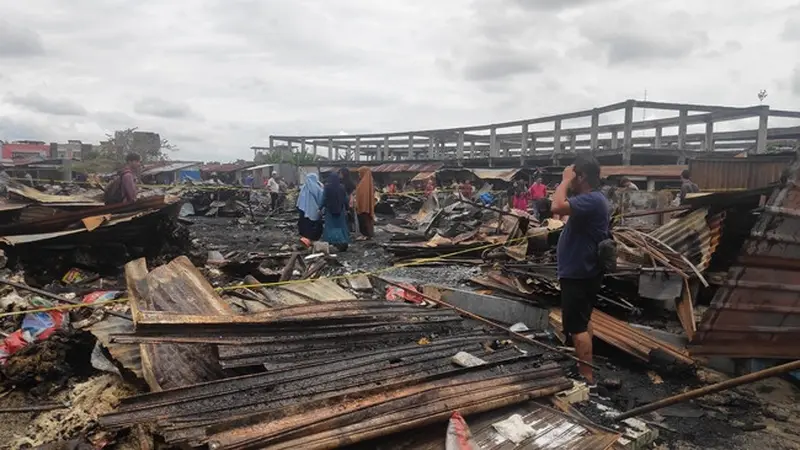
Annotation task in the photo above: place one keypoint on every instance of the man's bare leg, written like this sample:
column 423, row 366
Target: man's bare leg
column 583, row 349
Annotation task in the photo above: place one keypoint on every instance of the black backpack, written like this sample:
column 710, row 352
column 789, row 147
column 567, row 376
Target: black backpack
column 113, row 190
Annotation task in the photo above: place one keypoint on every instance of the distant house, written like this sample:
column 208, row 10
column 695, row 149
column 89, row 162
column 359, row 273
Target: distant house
column 171, row 172
column 25, row 149
column 231, row 173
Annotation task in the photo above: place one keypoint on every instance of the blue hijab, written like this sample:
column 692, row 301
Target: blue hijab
column 310, row 199
column 335, row 197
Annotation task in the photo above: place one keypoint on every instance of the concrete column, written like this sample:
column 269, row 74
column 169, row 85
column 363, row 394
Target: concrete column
column 302, row 147
column 271, row 142
column 709, row 138
column 410, row 146
column 66, row 169
column 357, row 155
column 614, row 139
column 472, row 153
column 657, row 142
column 314, row 149
column 651, row 185
column 683, row 116
column 573, row 142
column 627, row 139
column 431, row 147
column 523, row 148
column 460, row 146
column 387, row 154
column 763, row 123
column 556, row 140
column 493, row 151
column 594, row 132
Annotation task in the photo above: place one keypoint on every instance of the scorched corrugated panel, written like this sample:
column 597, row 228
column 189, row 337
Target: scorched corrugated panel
column 756, row 311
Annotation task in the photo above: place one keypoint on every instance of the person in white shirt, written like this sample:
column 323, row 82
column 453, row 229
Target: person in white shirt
column 274, row 190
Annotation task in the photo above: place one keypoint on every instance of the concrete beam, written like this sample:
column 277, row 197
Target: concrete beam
column 627, row 134
column 523, row 148
column 682, row 122
column 493, row 153
column 556, row 140
column 460, row 146
column 709, row 138
column 763, row 124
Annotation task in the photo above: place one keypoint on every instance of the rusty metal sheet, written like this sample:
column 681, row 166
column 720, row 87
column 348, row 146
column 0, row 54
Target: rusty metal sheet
column 40, row 197
column 627, row 338
column 756, row 311
column 737, row 173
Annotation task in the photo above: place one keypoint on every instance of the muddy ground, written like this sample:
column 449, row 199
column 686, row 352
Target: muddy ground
column 763, row 415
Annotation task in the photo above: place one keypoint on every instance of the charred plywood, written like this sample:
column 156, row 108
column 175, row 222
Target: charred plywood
column 756, row 311
column 177, row 287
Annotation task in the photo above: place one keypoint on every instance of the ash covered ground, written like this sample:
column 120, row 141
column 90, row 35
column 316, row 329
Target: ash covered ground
column 761, row 415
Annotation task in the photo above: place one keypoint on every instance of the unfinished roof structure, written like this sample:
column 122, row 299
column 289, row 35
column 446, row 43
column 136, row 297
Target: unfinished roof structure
column 557, row 137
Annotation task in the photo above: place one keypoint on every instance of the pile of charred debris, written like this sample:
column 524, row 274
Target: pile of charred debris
column 201, row 320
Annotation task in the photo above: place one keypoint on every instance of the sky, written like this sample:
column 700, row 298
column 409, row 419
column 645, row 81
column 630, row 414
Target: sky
column 216, row 77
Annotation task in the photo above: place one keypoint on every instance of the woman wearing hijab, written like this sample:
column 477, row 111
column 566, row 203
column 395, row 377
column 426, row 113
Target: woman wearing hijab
column 334, row 203
column 349, row 187
column 365, row 202
column 309, row 202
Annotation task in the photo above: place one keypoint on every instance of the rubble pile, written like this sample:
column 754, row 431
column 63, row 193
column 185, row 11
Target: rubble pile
column 196, row 317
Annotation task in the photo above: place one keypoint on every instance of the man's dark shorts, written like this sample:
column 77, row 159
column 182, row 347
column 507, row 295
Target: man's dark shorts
column 577, row 301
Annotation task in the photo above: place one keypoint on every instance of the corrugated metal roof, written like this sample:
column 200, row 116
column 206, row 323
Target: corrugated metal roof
column 408, row 167
column 695, row 236
column 742, row 173
column 495, row 174
column 756, row 311
column 259, row 167
column 665, row 171
column 225, row 168
column 170, row 167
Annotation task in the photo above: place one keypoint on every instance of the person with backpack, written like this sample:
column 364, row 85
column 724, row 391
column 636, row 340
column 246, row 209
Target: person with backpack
column 122, row 188
column 580, row 253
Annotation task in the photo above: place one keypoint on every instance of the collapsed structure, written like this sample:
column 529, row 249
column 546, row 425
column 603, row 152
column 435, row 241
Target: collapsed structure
column 273, row 345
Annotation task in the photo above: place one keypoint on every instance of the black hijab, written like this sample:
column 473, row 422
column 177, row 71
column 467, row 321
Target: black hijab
column 347, row 180
column 335, row 197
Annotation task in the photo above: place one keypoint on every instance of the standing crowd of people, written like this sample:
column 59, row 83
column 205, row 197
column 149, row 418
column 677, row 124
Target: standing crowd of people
column 331, row 211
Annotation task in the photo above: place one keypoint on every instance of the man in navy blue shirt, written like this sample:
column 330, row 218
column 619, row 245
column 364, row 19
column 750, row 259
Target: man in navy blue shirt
column 579, row 270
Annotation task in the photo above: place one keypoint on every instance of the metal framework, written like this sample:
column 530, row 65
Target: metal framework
column 518, row 141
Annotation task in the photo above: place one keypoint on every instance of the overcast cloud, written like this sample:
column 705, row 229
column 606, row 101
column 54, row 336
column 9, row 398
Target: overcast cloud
column 217, row 76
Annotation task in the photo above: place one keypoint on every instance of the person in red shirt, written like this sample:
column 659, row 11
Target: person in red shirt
column 538, row 190
column 392, row 189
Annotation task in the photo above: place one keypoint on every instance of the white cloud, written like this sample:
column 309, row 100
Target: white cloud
column 217, row 76
column 157, row 107
column 46, row 105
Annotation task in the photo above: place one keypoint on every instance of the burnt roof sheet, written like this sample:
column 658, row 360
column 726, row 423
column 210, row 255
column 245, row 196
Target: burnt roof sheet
column 756, row 311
